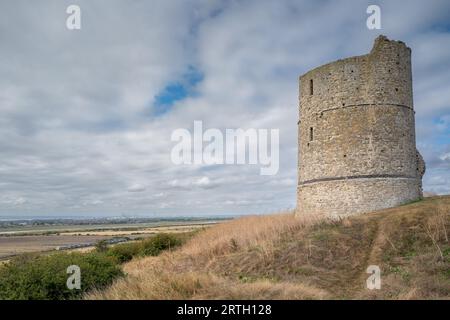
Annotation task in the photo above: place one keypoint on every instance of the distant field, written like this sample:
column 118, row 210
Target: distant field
column 94, row 227
column 10, row 246
column 48, row 238
column 171, row 229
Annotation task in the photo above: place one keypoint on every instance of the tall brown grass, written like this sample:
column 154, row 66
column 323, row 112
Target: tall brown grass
column 252, row 231
column 159, row 284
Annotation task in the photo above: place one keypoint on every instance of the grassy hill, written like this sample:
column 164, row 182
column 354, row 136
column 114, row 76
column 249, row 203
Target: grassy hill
column 280, row 257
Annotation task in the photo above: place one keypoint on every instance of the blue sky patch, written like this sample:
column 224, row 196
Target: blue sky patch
column 177, row 90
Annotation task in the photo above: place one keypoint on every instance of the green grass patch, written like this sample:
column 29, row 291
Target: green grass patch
column 403, row 273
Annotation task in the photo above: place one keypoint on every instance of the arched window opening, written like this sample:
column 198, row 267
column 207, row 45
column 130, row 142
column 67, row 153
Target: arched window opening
column 311, row 134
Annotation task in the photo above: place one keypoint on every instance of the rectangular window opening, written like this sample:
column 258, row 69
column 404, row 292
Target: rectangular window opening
column 311, row 87
column 311, row 134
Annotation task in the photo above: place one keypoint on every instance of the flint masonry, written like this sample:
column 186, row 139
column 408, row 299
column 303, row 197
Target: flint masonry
column 356, row 134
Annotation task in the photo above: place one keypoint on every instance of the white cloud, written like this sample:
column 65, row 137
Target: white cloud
column 445, row 157
column 136, row 188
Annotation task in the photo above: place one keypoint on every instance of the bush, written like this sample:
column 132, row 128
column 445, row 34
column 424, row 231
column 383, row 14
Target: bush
column 149, row 247
column 124, row 252
column 44, row 277
column 162, row 241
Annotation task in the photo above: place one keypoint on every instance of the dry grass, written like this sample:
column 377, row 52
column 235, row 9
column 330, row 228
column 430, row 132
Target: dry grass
column 196, row 285
column 280, row 257
column 252, row 231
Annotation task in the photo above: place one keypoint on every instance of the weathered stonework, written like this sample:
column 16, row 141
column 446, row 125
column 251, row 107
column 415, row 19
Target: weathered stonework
column 357, row 149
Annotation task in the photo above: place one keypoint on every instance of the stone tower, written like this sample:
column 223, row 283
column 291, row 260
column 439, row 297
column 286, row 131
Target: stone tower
column 356, row 134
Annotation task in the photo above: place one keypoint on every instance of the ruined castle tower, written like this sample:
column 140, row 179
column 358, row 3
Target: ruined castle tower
column 356, row 134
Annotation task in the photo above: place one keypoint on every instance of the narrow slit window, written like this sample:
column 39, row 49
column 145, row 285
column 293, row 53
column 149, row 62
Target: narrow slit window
column 311, row 87
column 311, row 134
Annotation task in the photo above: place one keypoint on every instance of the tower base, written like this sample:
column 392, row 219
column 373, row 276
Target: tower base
column 341, row 198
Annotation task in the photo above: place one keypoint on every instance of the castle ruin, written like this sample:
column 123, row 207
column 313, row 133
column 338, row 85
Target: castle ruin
column 356, row 134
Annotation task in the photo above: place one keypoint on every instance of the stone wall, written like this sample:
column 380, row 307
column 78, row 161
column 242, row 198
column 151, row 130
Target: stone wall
column 357, row 150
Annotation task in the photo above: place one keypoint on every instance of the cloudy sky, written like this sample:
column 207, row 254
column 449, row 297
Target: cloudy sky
column 87, row 115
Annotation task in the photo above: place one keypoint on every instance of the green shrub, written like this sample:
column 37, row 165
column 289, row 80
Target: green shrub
column 162, row 241
column 32, row 277
column 149, row 247
column 125, row 252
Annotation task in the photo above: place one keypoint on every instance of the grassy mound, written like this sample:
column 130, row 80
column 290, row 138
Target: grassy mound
column 280, row 257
